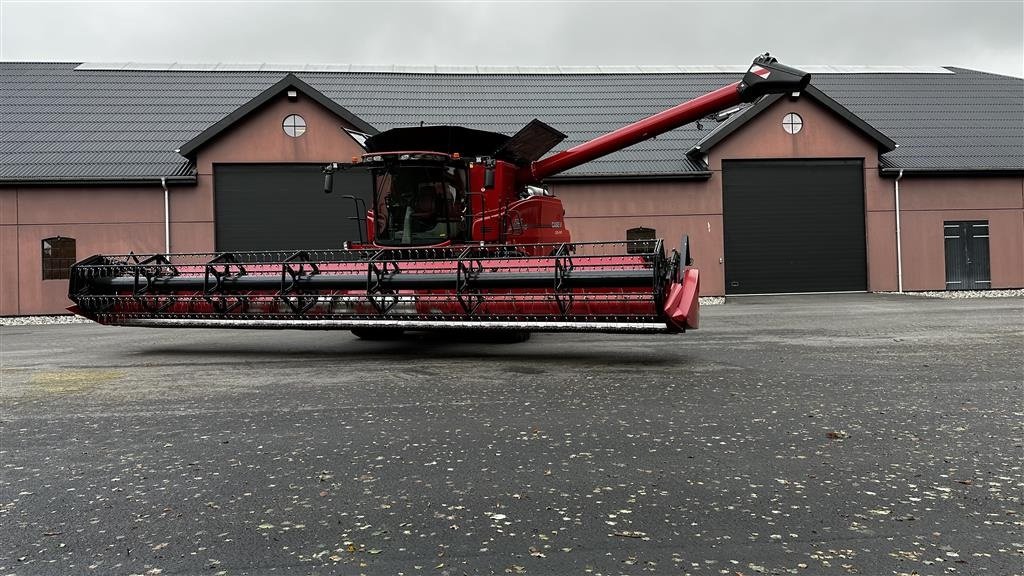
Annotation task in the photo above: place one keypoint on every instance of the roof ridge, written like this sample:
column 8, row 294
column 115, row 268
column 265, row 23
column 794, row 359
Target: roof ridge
column 497, row 68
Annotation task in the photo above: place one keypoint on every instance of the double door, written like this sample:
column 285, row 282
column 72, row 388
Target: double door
column 967, row 258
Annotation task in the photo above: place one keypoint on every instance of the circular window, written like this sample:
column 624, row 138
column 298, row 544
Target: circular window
column 294, row 125
column 792, row 123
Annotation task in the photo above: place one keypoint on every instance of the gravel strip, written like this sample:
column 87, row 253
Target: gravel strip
column 959, row 294
column 712, row 300
column 38, row 320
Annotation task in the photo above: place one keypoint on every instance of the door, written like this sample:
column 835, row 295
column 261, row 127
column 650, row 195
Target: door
column 284, row 207
column 794, row 226
column 967, row 261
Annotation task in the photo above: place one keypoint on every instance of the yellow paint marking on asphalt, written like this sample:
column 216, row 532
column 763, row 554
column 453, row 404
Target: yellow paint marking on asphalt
column 62, row 381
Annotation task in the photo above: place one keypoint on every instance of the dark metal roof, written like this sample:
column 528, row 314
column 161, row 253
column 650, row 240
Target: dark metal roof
column 62, row 123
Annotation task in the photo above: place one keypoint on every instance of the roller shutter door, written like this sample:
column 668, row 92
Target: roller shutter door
column 283, row 207
column 794, row 226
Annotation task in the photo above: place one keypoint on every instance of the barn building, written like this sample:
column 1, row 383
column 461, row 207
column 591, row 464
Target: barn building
column 872, row 179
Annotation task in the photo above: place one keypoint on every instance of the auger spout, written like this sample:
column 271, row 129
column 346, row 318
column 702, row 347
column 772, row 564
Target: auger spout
column 765, row 76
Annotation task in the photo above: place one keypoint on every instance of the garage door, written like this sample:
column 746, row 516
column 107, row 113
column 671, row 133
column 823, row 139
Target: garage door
column 283, row 207
column 794, row 226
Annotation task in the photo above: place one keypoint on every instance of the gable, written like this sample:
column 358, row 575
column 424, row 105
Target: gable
column 760, row 134
column 260, row 137
column 737, row 120
column 290, row 87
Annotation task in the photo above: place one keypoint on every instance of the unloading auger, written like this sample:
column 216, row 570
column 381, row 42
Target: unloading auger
column 460, row 235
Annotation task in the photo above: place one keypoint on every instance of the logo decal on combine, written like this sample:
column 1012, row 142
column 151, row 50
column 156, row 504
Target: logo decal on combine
column 762, row 72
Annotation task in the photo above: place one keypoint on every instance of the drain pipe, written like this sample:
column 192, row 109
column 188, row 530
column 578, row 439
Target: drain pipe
column 899, row 242
column 167, row 216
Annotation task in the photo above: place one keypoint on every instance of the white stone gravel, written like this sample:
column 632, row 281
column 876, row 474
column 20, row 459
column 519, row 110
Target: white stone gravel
column 959, row 294
column 712, row 300
column 37, row 320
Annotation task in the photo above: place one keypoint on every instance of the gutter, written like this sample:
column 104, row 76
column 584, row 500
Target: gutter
column 702, row 175
column 98, row 181
column 991, row 171
column 899, row 243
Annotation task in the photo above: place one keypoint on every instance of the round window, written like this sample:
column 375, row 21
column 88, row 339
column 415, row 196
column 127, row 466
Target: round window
column 792, row 123
column 294, row 125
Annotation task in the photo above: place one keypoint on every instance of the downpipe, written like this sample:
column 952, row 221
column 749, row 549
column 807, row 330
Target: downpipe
column 899, row 238
column 167, row 216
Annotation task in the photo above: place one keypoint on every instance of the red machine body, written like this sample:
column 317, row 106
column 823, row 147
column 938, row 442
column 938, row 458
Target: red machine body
column 461, row 234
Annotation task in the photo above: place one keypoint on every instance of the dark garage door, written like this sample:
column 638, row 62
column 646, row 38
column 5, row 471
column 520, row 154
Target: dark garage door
column 283, row 207
column 794, row 226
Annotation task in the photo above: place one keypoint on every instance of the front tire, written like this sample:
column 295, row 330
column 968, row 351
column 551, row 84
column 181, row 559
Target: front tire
column 495, row 336
column 513, row 336
column 378, row 334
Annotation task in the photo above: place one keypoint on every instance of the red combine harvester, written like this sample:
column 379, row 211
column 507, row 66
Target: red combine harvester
column 460, row 235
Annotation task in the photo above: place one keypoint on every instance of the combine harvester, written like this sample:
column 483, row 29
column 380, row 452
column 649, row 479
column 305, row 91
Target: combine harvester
column 461, row 235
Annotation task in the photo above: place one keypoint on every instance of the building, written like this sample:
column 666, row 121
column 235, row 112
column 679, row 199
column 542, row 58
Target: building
column 796, row 193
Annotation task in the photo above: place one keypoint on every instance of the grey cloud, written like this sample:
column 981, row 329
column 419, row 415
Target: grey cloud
column 981, row 35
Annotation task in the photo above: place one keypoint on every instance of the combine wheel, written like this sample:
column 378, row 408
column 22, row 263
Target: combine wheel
column 478, row 336
column 512, row 336
column 378, row 334
column 494, row 336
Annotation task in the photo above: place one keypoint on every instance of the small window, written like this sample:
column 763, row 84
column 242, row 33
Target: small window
column 792, row 123
column 294, row 125
column 58, row 256
column 633, row 237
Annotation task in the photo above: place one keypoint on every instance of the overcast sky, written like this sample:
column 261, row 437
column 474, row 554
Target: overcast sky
column 981, row 35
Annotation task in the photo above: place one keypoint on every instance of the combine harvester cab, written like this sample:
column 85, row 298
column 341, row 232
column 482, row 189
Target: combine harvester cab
column 461, row 235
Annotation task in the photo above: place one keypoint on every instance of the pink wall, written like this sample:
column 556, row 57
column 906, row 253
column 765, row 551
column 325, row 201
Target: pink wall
column 9, row 264
column 259, row 138
column 8, row 251
column 101, row 219
column 604, row 211
column 927, row 202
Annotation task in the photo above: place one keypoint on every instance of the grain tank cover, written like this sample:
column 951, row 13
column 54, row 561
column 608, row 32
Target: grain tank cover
column 445, row 139
column 531, row 143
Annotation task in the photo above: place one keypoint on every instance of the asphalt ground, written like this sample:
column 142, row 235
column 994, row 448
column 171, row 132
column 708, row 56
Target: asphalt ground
column 863, row 434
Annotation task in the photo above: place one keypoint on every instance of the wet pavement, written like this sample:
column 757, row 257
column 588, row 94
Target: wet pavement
column 855, row 434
